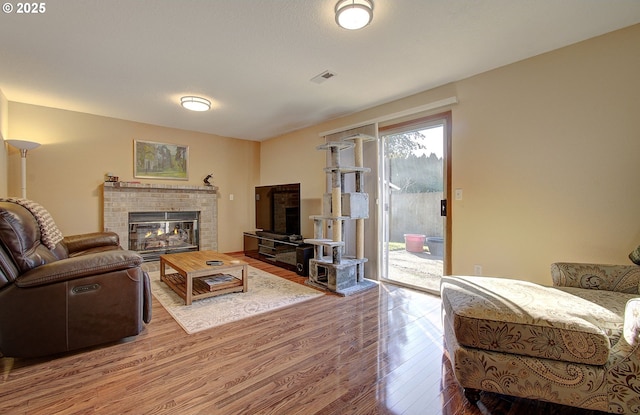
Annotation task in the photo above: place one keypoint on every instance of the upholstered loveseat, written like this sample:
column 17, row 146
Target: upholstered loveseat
column 575, row 343
column 64, row 293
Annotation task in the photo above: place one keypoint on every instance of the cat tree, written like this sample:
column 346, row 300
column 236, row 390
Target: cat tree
column 330, row 268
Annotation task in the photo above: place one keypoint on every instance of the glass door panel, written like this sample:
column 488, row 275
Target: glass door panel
column 413, row 188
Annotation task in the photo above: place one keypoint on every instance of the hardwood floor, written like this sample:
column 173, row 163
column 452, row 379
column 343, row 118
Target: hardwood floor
column 377, row 352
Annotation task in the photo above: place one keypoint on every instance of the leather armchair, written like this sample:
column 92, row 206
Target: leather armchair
column 84, row 291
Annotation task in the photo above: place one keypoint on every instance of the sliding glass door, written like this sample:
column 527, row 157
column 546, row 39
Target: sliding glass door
column 414, row 194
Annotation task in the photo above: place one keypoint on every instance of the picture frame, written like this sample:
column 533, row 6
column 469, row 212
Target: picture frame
column 153, row 160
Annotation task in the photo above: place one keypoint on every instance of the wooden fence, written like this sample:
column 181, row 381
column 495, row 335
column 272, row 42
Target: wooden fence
column 415, row 213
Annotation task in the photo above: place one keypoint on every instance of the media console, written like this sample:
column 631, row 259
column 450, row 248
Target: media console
column 284, row 251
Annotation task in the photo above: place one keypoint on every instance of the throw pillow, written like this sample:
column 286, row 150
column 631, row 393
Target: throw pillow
column 635, row 255
column 50, row 235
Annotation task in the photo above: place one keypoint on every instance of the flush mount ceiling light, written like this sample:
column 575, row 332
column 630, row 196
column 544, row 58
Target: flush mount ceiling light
column 195, row 103
column 354, row 14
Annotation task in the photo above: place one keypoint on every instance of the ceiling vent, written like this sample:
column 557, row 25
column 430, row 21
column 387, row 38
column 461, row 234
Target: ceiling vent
column 318, row 79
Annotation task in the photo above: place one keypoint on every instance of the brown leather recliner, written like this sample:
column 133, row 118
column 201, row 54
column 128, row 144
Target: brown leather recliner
column 84, row 291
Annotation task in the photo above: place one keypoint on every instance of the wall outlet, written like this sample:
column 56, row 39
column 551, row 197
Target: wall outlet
column 477, row 269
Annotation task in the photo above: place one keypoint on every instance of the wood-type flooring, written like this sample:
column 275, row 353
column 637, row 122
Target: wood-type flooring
column 377, row 352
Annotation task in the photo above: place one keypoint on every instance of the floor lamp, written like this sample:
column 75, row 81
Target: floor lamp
column 24, row 146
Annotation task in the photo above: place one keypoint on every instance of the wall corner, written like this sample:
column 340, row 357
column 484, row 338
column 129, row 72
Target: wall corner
column 4, row 128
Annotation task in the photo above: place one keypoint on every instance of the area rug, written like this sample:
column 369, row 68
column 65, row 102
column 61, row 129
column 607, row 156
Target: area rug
column 266, row 292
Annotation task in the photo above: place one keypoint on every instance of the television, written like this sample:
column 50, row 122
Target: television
column 278, row 209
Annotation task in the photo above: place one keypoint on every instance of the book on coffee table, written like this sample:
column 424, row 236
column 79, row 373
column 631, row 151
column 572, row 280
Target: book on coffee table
column 217, row 279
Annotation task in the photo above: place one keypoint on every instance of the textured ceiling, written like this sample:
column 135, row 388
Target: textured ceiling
column 133, row 59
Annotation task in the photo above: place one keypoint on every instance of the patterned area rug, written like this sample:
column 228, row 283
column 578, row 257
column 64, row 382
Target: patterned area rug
column 266, row 292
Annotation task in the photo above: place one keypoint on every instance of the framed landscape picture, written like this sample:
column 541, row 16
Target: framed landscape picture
column 160, row 161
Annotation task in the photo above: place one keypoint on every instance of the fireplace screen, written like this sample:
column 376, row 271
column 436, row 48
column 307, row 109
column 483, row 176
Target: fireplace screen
column 152, row 234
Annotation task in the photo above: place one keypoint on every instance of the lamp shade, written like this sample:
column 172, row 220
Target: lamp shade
column 354, row 14
column 23, row 144
column 195, row 103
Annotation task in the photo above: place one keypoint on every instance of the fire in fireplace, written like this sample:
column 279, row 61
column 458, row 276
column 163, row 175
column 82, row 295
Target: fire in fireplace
column 152, row 234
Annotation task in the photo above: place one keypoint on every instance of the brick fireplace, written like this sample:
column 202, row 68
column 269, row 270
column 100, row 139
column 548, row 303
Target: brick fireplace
column 122, row 198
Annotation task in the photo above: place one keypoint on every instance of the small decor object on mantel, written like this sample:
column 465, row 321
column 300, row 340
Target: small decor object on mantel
column 206, row 179
column 160, row 161
column 110, row 177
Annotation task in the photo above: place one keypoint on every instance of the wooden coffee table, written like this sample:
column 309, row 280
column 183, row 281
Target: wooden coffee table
column 191, row 267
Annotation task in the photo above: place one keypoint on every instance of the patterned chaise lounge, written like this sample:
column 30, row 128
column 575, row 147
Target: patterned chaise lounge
column 575, row 343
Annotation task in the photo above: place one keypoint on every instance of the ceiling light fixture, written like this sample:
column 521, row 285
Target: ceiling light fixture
column 354, row 14
column 195, row 103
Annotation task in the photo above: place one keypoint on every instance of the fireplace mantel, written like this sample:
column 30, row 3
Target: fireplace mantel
column 160, row 187
column 120, row 198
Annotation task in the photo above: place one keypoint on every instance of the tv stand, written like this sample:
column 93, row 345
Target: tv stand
column 285, row 251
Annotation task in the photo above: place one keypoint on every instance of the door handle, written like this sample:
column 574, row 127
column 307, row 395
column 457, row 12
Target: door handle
column 443, row 207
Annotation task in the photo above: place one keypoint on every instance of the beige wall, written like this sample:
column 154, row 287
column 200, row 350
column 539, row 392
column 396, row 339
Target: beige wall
column 292, row 159
column 65, row 174
column 545, row 151
column 4, row 127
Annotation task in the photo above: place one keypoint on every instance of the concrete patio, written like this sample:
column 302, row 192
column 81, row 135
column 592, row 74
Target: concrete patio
column 419, row 269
